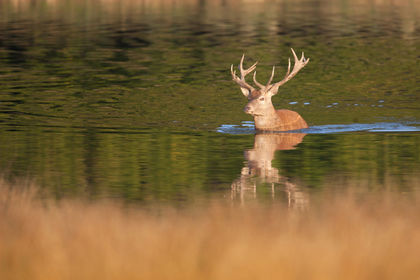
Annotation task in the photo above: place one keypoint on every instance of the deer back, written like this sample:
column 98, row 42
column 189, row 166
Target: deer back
column 289, row 120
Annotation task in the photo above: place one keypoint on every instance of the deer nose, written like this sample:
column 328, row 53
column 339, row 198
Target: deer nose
column 247, row 109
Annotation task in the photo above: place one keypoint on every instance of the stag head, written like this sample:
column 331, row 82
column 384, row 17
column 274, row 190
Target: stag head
column 260, row 100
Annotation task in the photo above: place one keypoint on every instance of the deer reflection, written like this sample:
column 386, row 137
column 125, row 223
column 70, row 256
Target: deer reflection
column 259, row 170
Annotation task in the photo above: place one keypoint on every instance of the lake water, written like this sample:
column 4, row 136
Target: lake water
column 134, row 99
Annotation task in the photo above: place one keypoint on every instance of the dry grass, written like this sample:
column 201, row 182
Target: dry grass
column 378, row 238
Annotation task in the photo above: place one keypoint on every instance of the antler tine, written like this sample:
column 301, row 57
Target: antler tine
column 256, row 82
column 241, row 64
column 271, row 77
column 247, row 71
column 298, row 65
column 245, row 87
column 294, row 55
column 232, row 71
column 261, row 86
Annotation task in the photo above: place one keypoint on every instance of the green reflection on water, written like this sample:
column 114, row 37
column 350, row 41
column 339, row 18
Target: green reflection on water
column 166, row 166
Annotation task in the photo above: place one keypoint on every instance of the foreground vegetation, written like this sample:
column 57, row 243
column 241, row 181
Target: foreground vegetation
column 348, row 237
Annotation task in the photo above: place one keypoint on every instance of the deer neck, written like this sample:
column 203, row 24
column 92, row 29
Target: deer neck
column 268, row 120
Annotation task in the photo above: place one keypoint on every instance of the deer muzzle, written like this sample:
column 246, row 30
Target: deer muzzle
column 248, row 110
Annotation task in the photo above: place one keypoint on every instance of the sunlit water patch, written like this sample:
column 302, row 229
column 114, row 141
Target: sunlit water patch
column 247, row 127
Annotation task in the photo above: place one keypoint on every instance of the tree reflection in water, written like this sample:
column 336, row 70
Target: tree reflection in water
column 258, row 170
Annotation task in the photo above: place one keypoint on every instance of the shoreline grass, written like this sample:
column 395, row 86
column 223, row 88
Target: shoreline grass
column 344, row 238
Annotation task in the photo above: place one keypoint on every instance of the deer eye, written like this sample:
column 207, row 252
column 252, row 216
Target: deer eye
column 261, row 99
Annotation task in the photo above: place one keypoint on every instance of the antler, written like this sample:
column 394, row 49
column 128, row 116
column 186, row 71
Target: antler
column 299, row 64
column 245, row 87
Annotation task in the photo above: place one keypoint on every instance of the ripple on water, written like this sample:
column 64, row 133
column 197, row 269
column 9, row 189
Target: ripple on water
column 247, row 127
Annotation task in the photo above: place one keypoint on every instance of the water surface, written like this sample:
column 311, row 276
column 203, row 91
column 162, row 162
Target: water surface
column 134, row 99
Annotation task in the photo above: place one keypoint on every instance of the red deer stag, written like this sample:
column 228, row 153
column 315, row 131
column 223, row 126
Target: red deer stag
column 266, row 117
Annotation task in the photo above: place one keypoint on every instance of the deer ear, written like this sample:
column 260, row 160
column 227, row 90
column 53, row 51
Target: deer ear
column 245, row 92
